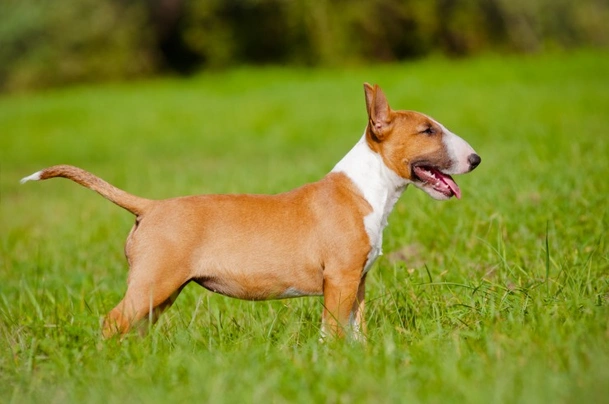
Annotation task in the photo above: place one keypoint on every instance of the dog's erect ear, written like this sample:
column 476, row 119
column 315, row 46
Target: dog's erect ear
column 378, row 111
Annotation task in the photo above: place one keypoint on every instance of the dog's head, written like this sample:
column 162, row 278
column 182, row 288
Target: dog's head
column 416, row 147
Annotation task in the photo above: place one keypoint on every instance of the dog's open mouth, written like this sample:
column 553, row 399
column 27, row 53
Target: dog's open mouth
column 434, row 178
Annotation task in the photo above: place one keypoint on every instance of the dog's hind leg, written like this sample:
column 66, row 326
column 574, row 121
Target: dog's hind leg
column 154, row 314
column 146, row 298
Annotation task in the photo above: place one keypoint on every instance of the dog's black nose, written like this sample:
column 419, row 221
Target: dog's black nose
column 473, row 160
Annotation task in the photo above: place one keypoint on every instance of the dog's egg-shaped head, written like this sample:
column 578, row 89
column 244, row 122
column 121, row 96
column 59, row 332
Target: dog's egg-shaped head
column 417, row 147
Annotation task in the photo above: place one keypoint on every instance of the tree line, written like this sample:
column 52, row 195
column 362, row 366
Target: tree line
column 44, row 43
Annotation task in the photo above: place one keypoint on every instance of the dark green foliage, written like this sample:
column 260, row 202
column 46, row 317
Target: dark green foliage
column 48, row 43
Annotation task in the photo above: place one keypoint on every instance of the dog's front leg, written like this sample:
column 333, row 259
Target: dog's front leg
column 341, row 293
column 357, row 320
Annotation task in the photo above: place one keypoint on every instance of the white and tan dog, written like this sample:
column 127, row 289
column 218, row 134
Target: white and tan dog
column 319, row 239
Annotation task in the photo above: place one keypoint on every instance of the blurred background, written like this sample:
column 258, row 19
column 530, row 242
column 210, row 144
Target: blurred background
column 45, row 43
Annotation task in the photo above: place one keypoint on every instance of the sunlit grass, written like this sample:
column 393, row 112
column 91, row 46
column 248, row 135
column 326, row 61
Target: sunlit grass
column 499, row 297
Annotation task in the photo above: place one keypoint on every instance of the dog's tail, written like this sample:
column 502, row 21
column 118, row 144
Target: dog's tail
column 132, row 203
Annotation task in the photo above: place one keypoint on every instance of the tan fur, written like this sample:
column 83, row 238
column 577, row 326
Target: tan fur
column 251, row 247
column 309, row 241
column 402, row 143
column 132, row 203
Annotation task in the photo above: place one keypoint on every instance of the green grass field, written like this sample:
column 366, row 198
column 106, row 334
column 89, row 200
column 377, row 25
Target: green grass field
column 502, row 296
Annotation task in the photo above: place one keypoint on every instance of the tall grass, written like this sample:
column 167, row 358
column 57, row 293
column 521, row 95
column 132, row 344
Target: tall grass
column 499, row 297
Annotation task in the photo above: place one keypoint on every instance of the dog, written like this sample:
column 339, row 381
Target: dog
column 320, row 239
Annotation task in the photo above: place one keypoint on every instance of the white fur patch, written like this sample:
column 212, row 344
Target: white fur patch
column 33, row 177
column 459, row 151
column 380, row 186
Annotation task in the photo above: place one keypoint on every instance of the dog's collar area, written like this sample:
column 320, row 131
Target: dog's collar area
column 429, row 176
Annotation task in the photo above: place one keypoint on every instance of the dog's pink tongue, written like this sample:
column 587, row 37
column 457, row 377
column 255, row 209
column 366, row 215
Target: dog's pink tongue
column 448, row 180
column 453, row 186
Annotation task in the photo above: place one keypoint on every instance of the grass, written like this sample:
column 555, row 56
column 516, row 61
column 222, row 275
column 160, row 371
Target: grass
column 502, row 296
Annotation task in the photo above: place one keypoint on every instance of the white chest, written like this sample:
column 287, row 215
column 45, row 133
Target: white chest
column 380, row 186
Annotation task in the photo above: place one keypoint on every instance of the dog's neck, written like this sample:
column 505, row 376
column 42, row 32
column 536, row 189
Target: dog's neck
column 380, row 186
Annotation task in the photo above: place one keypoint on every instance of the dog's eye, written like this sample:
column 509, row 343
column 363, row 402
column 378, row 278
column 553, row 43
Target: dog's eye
column 428, row 131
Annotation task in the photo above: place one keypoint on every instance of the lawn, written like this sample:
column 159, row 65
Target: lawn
column 502, row 296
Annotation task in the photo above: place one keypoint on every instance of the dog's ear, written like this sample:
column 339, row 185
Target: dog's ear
column 379, row 112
